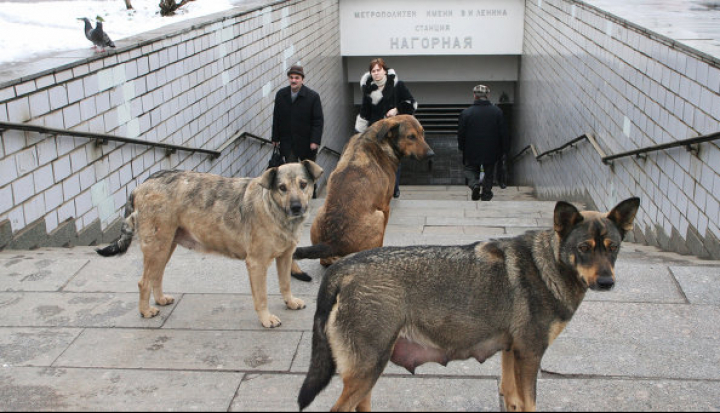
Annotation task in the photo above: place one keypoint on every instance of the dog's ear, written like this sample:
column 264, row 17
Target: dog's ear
column 388, row 129
column 313, row 169
column 623, row 215
column 566, row 217
column 268, row 178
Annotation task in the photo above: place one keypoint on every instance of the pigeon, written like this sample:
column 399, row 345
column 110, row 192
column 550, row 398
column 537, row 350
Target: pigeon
column 97, row 35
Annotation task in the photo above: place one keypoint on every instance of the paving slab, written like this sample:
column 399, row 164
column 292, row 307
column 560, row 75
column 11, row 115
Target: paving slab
column 279, row 393
column 399, row 229
column 497, row 212
column 33, row 346
column 60, row 389
column 437, row 204
column 608, row 395
column 491, row 222
column 411, row 221
column 187, row 271
column 638, row 340
column 699, row 284
column 461, row 238
column 425, row 212
column 621, row 356
column 235, row 312
column 639, row 282
column 638, row 321
column 480, row 232
column 217, row 350
column 23, row 273
column 44, row 309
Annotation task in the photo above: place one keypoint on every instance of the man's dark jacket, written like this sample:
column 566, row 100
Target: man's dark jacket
column 297, row 124
column 482, row 133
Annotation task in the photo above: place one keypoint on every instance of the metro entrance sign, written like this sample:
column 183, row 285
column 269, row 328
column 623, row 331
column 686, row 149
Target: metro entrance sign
column 431, row 27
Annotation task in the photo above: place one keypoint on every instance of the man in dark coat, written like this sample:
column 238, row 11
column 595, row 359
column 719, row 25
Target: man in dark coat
column 482, row 138
column 297, row 119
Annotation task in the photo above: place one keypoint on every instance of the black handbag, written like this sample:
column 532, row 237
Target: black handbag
column 276, row 159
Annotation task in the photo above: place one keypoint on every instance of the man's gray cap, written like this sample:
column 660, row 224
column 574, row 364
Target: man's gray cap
column 296, row 70
column 481, row 90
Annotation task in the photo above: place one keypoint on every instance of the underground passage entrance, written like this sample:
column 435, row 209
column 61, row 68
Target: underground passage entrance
column 440, row 123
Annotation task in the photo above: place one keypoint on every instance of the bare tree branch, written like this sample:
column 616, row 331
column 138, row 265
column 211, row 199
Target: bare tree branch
column 168, row 7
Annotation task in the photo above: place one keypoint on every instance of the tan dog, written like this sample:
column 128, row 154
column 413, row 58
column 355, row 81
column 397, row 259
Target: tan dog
column 357, row 207
column 252, row 219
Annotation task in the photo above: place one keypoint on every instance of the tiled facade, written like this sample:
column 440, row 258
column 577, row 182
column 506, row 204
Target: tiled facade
column 194, row 86
column 585, row 71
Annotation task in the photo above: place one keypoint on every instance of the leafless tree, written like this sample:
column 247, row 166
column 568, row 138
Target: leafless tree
column 168, row 7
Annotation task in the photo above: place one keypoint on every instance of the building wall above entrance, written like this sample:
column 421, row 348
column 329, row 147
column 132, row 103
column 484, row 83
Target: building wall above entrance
column 431, row 27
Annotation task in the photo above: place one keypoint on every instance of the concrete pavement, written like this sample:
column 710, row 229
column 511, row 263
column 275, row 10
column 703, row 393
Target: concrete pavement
column 71, row 337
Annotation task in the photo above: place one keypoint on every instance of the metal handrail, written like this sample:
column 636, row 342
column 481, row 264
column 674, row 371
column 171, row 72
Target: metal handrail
column 689, row 144
column 332, row 151
column 522, row 152
column 241, row 135
column 589, row 137
column 101, row 138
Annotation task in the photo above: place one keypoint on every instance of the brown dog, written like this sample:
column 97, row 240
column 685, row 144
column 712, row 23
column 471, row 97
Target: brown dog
column 357, row 207
column 411, row 305
column 252, row 219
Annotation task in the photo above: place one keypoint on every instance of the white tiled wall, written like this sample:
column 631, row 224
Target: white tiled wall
column 586, row 72
column 196, row 87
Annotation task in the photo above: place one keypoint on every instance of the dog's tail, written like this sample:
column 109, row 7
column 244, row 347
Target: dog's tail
column 314, row 252
column 120, row 245
column 322, row 363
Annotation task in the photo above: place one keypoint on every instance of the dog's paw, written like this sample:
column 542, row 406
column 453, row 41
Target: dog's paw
column 326, row 262
column 295, row 304
column 165, row 300
column 150, row 312
column 271, row 322
column 513, row 404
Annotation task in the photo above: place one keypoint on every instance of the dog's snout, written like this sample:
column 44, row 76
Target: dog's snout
column 296, row 207
column 430, row 153
column 605, row 283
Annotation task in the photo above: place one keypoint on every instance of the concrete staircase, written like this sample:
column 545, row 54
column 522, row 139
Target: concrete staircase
column 71, row 337
column 439, row 119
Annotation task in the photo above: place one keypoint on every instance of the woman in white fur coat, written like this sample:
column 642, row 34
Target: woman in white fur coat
column 384, row 96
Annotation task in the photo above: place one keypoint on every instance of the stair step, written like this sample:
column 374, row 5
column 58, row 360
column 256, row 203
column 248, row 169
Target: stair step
column 441, row 119
column 438, row 121
column 441, row 116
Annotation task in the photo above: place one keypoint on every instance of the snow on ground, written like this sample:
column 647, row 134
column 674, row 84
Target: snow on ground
column 30, row 29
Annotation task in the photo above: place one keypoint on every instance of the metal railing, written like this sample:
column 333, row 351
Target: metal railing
column 242, row 135
column 103, row 139
column 691, row 144
column 332, row 151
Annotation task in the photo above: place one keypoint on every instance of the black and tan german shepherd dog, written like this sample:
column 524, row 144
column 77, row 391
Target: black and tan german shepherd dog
column 411, row 305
